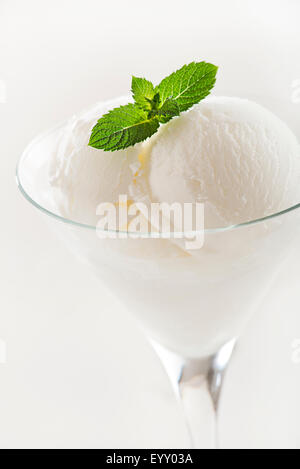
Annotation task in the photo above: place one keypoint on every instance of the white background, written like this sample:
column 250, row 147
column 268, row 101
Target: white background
column 78, row 372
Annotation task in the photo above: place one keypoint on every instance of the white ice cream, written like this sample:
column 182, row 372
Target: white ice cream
column 232, row 154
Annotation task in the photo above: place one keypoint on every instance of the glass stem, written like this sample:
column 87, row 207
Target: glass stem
column 197, row 384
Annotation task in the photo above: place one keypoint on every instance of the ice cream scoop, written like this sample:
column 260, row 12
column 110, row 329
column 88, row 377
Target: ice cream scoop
column 232, row 154
column 83, row 177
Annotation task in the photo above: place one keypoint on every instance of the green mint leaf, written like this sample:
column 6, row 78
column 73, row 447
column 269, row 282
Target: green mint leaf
column 188, row 85
column 143, row 92
column 122, row 127
column 168, row 110
column 126, row 125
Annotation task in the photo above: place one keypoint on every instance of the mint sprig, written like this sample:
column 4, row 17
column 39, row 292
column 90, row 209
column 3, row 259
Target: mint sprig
column 127, row 125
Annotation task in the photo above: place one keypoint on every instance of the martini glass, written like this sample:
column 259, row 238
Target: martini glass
column 192, row 307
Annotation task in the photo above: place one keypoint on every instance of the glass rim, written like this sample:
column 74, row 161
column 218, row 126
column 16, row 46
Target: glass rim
column 150, row 234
